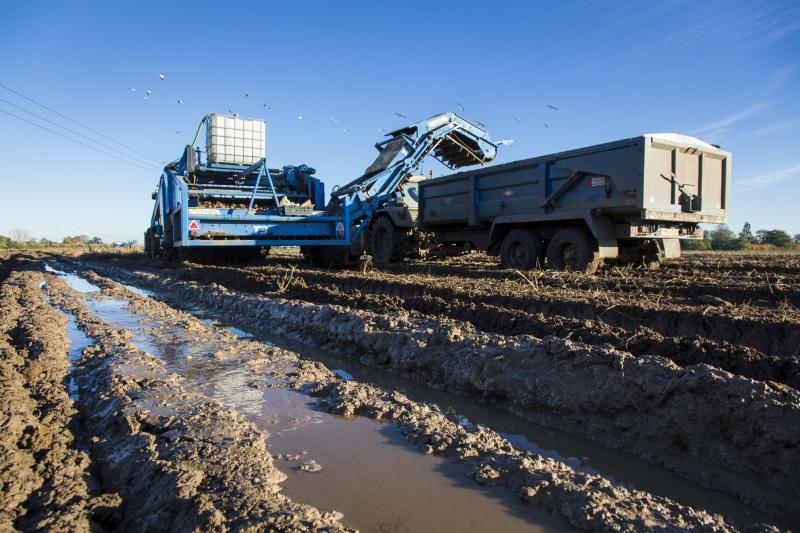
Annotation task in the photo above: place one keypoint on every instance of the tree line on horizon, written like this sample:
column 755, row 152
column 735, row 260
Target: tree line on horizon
column 21, row 238
column 723, row 238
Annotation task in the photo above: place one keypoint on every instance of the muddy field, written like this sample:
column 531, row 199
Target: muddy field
column 429, row 396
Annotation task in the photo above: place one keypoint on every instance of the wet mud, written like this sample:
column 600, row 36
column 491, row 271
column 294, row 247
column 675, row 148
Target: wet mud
column 182, row 424
column 722, row 430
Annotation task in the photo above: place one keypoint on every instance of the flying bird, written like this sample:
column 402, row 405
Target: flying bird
column 133, row 90
column 460, row 106
column 333, row 119
column 177, row 132
column 162, row 76
column 180, row 100
column 148, row 92
column 518, row 119
column 504, row 142
column 344, row 130
column 247, row 94
column 300, row 116
column 551, row 107
column 546, row 125
column 381, row 130
column 267, row 107
column 400, row 115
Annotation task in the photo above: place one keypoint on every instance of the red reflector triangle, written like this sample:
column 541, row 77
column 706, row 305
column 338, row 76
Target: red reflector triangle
column 194, row 225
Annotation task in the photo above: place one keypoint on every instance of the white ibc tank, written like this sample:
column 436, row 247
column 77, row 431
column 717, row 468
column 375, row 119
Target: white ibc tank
column 239, row 141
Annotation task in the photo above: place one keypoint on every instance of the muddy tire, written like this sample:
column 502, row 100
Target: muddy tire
column 651, row 255
column 641, row 253
column 311, row 255
column 522, row 249
column 572, row 249
column 388, row 243
column 148, row 244
column 335, row 256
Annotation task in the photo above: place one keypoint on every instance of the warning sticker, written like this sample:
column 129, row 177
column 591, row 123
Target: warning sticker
column 598, row 181
column 340, row 229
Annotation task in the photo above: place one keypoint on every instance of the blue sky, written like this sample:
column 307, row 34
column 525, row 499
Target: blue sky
column 725, row 71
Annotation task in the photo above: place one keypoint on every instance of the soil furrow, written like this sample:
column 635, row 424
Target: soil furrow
column 738, row 429
column 642, row 340
column 544, row 482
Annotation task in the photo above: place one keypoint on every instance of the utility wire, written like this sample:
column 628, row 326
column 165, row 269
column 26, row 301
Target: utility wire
column 149, row 169
column 116, row 150
column 79, row 123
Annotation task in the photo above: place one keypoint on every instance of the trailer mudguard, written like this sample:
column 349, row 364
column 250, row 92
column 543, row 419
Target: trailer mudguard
column 602, row 227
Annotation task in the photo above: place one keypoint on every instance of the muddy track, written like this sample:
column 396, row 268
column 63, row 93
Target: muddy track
column 587, row 500
column 648, row 406
column 181, row 461
column 46, row 479
column 640, row 340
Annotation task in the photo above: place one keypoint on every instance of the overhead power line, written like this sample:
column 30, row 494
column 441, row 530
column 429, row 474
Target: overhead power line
column 116, row 150
column 149, row 169
column 79, row 123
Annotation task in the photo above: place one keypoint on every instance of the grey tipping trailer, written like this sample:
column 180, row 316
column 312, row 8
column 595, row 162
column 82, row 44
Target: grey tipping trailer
column 629, row 200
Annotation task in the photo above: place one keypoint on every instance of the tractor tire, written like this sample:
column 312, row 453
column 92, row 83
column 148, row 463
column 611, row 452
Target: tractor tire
column 522, row 249
column 148, row 245
column 311, row 255
column 572, row 249
column 336, row 256
column 387, row 242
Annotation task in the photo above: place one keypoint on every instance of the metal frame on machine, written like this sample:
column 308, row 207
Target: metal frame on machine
column 451, row 139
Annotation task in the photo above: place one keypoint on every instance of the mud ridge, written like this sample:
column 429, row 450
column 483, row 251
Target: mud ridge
column 770, row 331
column 683, row 350
column 724, row 431
column 588, row 501
column 45, row 478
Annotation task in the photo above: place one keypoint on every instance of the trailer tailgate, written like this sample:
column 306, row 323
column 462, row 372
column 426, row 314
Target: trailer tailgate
column 685, row 180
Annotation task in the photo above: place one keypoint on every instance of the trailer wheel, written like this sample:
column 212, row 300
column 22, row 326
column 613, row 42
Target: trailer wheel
column 640, row 253
column 522, row 249
column 574, row 250
column 388, row 243
column 652, row 255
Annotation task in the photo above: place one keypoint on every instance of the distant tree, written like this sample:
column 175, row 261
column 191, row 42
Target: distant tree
column 5, row 242
column 95, row 240
column 83, row 238
column 20, row 235
column 776, row 237
column 45, row 241
column 723, row 238
column 746, row 235
column 72, row 241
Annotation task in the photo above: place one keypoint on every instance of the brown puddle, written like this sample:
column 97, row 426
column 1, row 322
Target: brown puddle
column 369, row 472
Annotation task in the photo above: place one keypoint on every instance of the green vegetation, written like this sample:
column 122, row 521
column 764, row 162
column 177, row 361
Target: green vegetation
column 723, row 238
